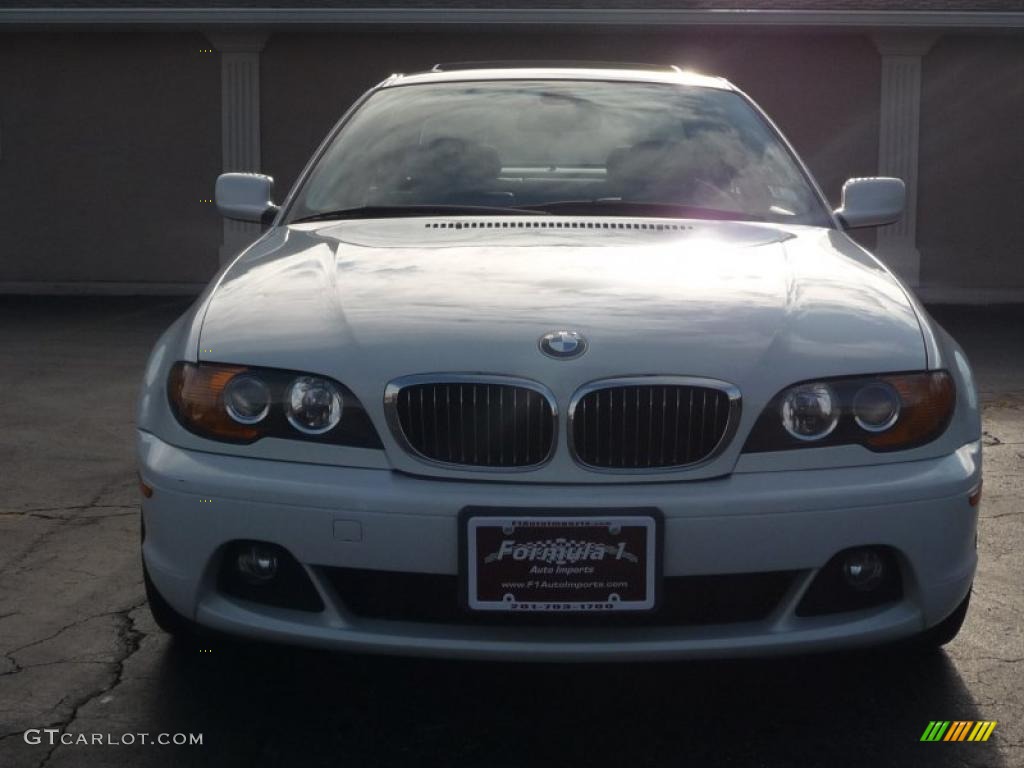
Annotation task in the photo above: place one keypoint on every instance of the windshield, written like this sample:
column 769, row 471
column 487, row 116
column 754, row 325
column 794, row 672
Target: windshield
column 580, row 147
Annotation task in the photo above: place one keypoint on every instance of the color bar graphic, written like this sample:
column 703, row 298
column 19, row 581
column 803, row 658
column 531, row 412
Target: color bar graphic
column 982, row 730
column 958, row 730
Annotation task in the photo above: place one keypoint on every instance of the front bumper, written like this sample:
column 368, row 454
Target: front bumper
column 385, row 521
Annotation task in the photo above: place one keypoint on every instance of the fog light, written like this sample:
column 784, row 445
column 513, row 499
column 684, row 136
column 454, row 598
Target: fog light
column 267, row 574
column 863, row 570
column 257, row 564
column 852, row 580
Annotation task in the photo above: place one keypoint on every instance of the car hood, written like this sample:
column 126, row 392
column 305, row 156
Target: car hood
column 365, row 302
column 378, row 299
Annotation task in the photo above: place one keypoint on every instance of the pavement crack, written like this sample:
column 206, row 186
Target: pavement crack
column 1002, row 514
column 130, row 638
column 84, row 572
column 15, row 666
column 43, row 513
column 23, row 667
column 64, row 628
column 45, row 536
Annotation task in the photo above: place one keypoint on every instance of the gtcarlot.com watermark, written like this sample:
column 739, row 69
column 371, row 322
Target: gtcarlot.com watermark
column 53, row 737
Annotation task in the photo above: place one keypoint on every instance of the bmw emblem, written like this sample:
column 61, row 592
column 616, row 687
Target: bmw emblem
column 563, row 345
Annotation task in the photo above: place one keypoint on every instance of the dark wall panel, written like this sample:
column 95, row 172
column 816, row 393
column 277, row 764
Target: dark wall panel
column 971, row 203
column 109, row 142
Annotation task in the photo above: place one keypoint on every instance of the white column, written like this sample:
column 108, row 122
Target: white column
column 240, row 120
column 898, row 134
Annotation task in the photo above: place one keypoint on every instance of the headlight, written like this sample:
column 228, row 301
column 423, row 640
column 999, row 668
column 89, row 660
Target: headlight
column 882, row 413
column 247, row 399
column 237, row 404
column 809, row 411
column 876, row 406
column 313, row 405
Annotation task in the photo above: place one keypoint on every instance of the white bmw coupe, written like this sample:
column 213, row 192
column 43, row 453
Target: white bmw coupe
column 559, row 363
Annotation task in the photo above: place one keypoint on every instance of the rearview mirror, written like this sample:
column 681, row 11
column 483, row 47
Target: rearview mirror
column 245, row 196
column 872, row 202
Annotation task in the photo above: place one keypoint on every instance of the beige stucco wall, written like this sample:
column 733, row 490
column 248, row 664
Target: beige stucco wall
column 971, row 207
column 109, row 141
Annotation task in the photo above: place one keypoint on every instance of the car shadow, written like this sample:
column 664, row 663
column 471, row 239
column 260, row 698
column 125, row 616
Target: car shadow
column 298, row 707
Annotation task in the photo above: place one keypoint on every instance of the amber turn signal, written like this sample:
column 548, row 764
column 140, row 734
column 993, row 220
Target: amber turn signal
column 975, row 498
column 926, row 406
column 196, row 393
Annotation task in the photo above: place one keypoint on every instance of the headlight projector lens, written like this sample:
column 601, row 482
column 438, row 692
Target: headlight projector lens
column 247, row 399
column 876, row 407
column 313, row 405
column 810, row 411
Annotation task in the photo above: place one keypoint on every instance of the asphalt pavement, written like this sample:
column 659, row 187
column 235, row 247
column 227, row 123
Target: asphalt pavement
column 81, row 655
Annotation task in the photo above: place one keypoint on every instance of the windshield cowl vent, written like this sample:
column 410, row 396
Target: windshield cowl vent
column 560, row 224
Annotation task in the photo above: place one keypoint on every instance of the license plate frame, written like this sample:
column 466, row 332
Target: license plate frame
column 485, row 585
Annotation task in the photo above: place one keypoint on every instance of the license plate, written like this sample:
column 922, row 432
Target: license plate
column 522, row 561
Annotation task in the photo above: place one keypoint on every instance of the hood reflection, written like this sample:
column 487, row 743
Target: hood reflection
column 718, row 299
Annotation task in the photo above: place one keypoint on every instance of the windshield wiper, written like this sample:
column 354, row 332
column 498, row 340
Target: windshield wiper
column 611, row 206
column 396, row 211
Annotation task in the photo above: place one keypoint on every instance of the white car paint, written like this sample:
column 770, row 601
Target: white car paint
column 367, row 301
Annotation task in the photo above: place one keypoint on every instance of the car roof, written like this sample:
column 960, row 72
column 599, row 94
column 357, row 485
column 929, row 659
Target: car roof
column 448, row 73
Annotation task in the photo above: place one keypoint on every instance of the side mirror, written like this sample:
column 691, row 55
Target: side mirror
column 872, row 202
column 245, row 196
